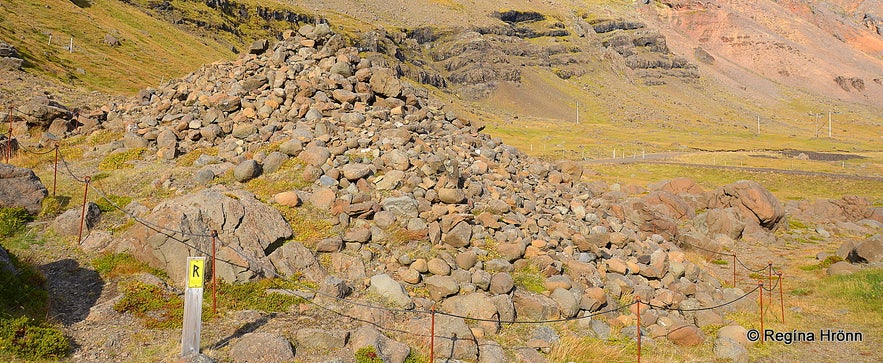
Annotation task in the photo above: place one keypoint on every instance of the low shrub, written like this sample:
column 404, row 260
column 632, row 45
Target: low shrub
column 13, row 220
column 30, row 339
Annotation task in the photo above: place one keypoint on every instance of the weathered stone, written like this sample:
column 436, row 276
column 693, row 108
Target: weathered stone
column 868, row 251
column 568, row 305
column 842, row 268
column 502, row 283
column 753, row 201
column 68, row 223
column 321, row 340
column 459, row 236
column 390, row 290
column 294, row 259
column 531, row 306
column 21, row 188
column 400, row 206
column 686, row 335
column 354, row 172
column 243, row 224
column 729, row 350
column 291, row 147
column 438, row 266
column 273, row 162
column 440, row 287
column 331, row 244
column 451, row 196
column 466, row 260
column 246, row 171
column 261, row 347
column 388, row 349
column 288, row 199
column 384, row 82
column 315, row 155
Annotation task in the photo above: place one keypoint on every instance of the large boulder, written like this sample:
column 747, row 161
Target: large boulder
column 40, row 111
column 756, row 204
column 68, row 223
column 391, row 290
column 21, row 188
column 869, row 251
column 248, row 230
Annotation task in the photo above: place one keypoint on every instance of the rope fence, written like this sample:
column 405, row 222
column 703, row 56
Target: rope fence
column 255, row 266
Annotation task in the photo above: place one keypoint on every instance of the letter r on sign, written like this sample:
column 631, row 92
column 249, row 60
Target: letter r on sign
column 195, row 268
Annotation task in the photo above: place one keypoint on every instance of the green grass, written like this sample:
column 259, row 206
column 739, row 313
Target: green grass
column 783, row 186
column 860, row 291
column 830, row 260
column 308, row 224
column 32, row 339
column 153, row 306
column 112, row 265
column 120, row 160
column 529, row 278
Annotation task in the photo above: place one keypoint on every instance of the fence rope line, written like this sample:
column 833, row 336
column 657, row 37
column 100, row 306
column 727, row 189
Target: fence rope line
column 739, row 260
column 705, row 308
column 270, row 271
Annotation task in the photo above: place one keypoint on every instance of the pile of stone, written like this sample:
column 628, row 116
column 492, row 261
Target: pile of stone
column 479, row 215
column 9, row 57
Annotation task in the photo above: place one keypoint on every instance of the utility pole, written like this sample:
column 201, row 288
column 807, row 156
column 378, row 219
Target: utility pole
column 577, row 112
column 829, row 121
column 817, row 116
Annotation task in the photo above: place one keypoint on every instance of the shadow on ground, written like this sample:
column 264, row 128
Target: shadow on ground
column 73, row 290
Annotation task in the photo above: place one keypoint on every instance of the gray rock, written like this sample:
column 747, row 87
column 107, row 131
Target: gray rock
column 321, row 340
column 294, row 259
column 730, row 351
column 868, row 251
column 331, row 244
column 842, row 268
column 245, row 225
column 389, row 289
column 347, row 267
column 273, row 162
column 353, row 172
column 502, row 283
column 247, row 170
column 465, row 260
column 568, row 305
column 204, row 176
column 291, row 147
column 21, row 188
column 459, row 236
column 440, row 287
column 261, row 347
column 388, row 349
column 68, row 223
column 400, row 206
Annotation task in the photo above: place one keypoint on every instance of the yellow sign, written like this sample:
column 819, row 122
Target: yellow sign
column 195, row 272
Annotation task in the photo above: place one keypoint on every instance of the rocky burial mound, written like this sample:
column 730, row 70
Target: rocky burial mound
column 422, row 209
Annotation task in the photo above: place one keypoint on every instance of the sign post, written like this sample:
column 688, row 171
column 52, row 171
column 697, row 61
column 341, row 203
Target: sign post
column 193, row 305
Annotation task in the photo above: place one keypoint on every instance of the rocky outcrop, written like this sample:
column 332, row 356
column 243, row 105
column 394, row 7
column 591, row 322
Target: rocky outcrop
column 248, row 231
column 21, row 188
column 756, row 204
column 9, row 57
